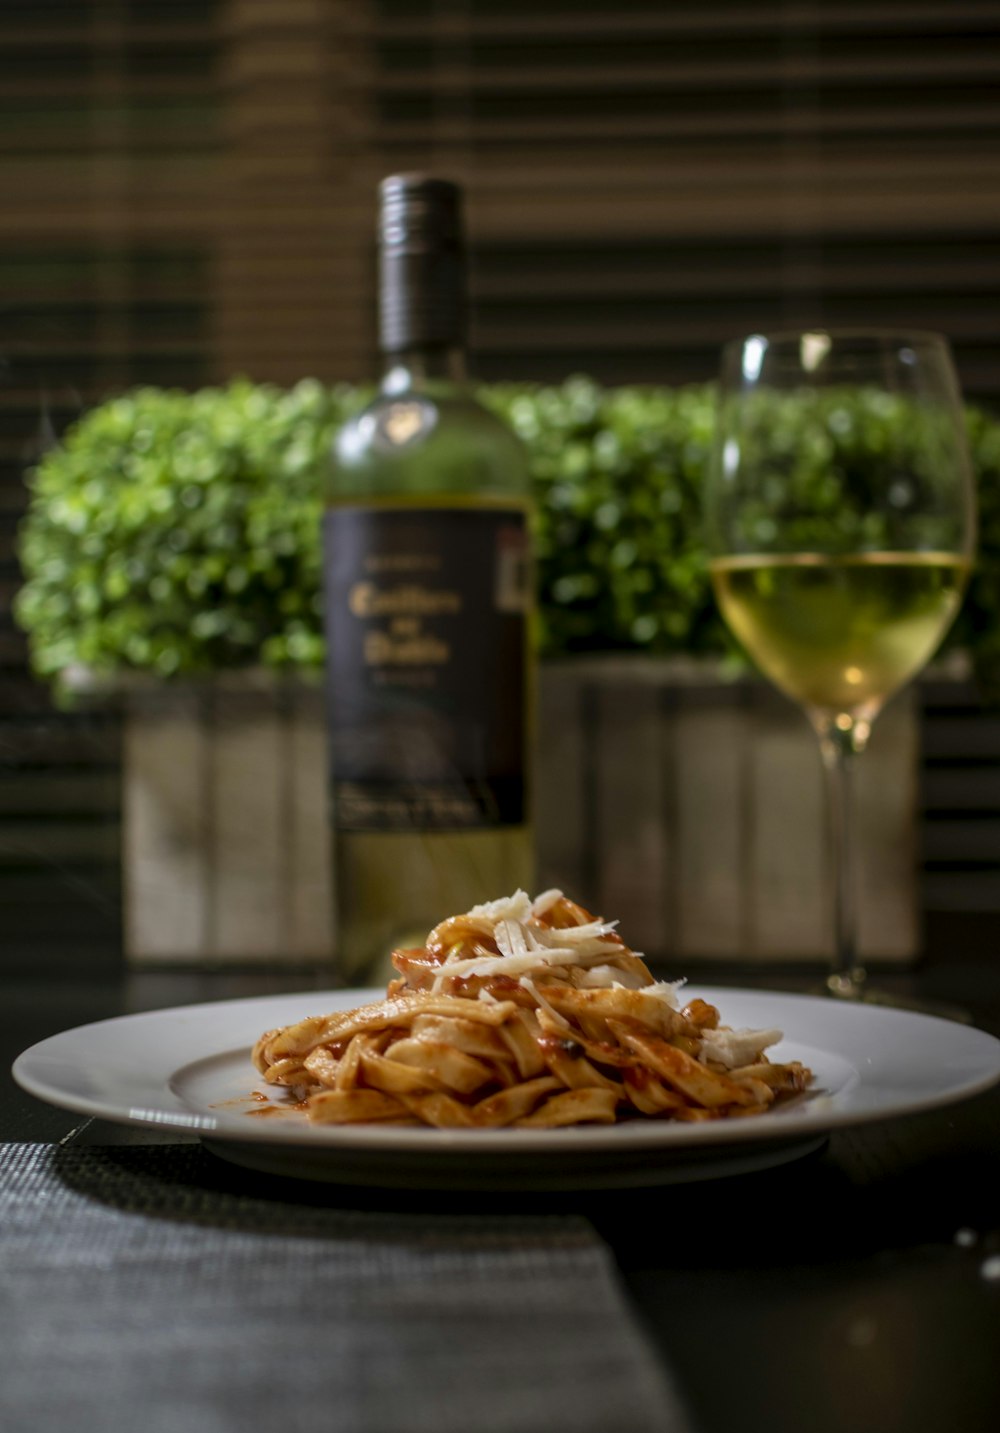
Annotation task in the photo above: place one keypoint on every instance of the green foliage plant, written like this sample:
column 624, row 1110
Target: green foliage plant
column 179, row 534
column 176, row 533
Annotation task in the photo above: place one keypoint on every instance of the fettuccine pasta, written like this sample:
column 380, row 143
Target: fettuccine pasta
column 525, row 1013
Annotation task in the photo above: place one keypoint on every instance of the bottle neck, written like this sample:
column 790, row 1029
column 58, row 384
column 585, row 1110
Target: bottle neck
column 419, row 367
column 421, row 304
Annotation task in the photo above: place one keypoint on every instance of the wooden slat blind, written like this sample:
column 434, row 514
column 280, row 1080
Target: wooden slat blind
column 107, row 124
column 647, row 180
column 644, row 180
column 960, row 801
column 106, row 121
column 293, row 293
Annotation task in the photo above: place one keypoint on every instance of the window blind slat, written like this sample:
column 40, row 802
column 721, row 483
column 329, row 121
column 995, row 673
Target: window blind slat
column 391, row 23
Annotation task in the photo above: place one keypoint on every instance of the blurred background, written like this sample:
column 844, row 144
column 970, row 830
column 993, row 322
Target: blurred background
column 189, row 195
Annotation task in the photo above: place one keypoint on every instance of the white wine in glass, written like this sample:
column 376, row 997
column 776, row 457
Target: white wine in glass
column 841, row 525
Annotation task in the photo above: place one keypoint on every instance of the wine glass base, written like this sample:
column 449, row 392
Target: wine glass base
column 847, row 984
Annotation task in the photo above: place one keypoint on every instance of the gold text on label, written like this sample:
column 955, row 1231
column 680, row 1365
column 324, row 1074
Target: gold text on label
column 367, row 599
column 383, row 649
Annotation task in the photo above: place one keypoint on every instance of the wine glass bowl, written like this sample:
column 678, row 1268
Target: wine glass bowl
column 840, row 519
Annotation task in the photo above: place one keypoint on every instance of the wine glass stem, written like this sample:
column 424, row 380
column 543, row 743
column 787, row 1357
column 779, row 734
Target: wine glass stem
column 840, row 746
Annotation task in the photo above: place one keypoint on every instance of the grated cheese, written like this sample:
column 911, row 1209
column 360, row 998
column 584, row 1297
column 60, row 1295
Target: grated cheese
column 733, row 1048
column 516, row 965
column 527, row 949
column 516, row 907
column 545, row 901
column 610, row 975
column 577, row 934
column 528, row 984
column 665, row 990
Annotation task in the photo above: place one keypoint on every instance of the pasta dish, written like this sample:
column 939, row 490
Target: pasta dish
column 527, row 1013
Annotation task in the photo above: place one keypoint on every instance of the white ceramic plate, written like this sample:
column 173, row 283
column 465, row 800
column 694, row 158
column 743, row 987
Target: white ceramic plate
column 188, row 1069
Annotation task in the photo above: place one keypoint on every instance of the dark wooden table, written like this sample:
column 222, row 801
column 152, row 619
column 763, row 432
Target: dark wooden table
column 845, row 1291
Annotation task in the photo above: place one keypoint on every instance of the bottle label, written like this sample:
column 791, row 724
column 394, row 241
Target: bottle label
column 426, row 612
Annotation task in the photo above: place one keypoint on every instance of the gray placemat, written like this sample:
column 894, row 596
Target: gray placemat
column 139, row 1296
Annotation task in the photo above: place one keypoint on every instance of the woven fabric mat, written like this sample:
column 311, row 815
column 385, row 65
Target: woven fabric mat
column 138, row 1295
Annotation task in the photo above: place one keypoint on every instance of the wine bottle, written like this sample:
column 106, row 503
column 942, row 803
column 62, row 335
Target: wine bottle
column 427, row 591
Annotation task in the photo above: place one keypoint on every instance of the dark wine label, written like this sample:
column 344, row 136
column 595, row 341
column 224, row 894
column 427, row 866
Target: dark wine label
column 425, row 625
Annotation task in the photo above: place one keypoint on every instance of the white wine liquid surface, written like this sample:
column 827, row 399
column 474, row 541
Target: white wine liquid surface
column 840, row 634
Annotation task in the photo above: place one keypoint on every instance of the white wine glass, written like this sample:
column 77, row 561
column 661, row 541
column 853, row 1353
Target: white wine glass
column 840, row 517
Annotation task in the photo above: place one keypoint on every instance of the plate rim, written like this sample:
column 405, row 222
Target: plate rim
column 821, row 1117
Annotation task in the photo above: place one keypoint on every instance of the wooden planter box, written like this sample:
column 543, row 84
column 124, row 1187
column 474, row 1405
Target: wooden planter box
column 690, row 808
column 693, row 809
column 225, row 848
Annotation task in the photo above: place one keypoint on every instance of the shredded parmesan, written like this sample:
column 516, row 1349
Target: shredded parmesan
column 609, row 975
column 510, row 938
column 519, row 964
column 578, row 934
column 560, row 1020
column 587, row 957
column 665, row 990
column 733, row 1048
column 516, row 907
column 545, row 902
